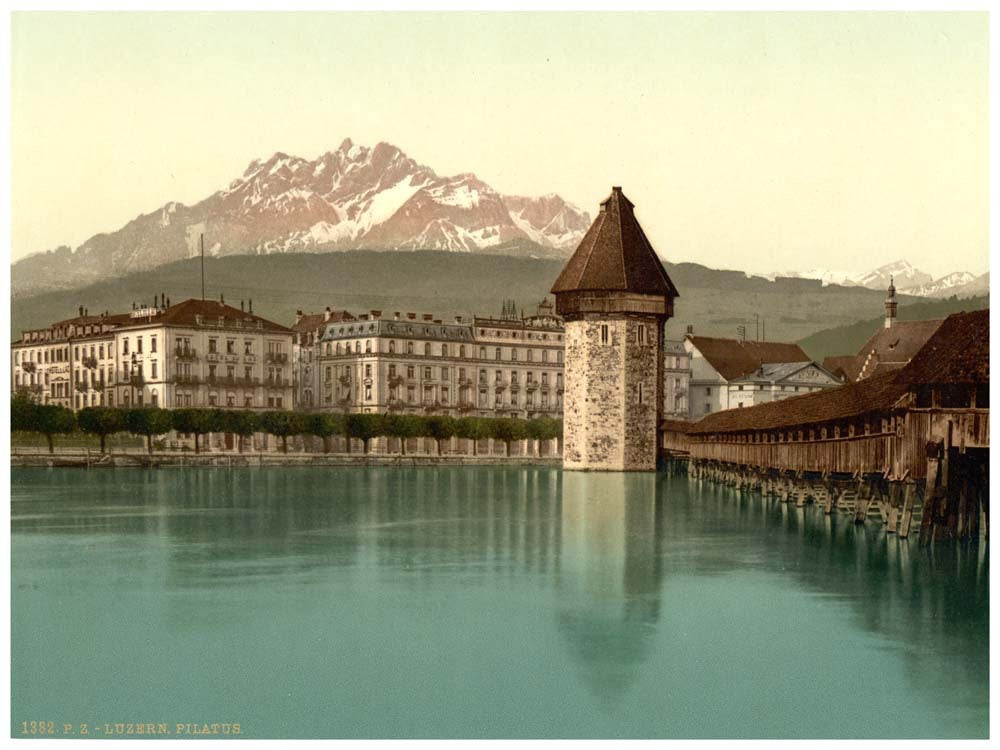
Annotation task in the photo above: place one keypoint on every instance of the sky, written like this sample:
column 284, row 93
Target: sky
column 755, row 141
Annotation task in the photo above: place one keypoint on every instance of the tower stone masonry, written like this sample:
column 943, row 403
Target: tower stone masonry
column 615, row 298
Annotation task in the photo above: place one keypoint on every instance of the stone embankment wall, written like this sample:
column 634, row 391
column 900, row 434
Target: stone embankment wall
column 96, row 460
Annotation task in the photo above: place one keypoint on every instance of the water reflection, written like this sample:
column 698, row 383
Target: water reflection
column 602, row 561
column 609, row 576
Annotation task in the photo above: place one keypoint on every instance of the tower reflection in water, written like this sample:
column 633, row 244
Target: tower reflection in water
column 609, row 577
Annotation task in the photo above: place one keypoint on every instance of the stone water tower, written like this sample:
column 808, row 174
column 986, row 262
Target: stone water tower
column 615, row 297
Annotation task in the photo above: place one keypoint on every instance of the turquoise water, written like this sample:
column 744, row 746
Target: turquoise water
column 480, row 602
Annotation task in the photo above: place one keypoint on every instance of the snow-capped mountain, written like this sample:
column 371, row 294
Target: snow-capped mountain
column 352, row 198
column 961, row 284
column 900, row 273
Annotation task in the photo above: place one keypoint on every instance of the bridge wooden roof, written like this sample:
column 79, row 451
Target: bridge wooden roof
column 877, row 393
column 957, row 354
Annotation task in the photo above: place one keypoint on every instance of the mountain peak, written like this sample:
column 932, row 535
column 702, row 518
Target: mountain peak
column 356, row 197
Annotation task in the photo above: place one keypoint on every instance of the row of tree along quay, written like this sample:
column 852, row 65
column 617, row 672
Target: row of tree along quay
column 151, row 422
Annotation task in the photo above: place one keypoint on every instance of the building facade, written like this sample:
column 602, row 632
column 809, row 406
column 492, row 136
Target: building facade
column 508, row 366
column 306, row 333
column 615, row 297
column 196, row 353
column 676, row 380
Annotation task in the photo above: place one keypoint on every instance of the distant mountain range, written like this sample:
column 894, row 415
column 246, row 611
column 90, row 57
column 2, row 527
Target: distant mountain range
column 352, row 198
column 360, row 198
column 907, row 279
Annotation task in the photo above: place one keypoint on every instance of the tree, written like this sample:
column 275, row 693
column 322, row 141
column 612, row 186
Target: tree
column 101, row 421
column 543, row 428
column 440, row 428
column 148, row 421
column 403, row 426
column 22, row 413
column 282, row 424
column 48, row 419
column 195, row 422
column 474, row 429
column 508, row 430
column 364, row 427
column 241, row 422
column 324, row 426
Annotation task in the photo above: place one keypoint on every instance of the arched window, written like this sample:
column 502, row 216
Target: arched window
column 368, row 347
column 409, row 347
column 461, row 350
column 497, row 353
column 444, row 350
column 357, row 347
column 392, row 347
column 482, row 352
column 427, row 349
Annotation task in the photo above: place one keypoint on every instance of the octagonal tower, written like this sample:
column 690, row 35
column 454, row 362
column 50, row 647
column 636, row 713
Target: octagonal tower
column 615, row 297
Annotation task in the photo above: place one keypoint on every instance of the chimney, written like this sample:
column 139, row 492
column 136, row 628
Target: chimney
column 690, row 330
column 458, row 318
column 251, row 306
column 298, row 316
column 376, row 314
column 395, row 315
column 86, row 312
column 81, row 309
column 222, row 299
column 242, row 306
column 168, row 301
column 326, row 314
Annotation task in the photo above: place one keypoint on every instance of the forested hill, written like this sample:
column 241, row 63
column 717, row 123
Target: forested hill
column 849, row 339
column 714, row 302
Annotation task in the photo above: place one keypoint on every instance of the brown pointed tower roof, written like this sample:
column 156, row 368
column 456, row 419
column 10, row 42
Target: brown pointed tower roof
column 615, row 256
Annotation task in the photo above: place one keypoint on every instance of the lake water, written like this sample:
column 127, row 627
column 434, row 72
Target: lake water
column 481, row 602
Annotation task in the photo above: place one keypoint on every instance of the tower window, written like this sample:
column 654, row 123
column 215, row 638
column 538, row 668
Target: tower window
column 604, row 333
column 642, row 334
column 640, row 393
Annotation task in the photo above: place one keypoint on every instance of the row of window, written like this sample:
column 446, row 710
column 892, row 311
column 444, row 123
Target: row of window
column 445, row 374
column 331, row 349
column 641, row 335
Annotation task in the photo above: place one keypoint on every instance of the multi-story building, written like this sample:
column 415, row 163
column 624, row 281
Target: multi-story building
column 195, row 353
column 676, row 380
column 731, row 373
column 306, row 333
column 506, row 366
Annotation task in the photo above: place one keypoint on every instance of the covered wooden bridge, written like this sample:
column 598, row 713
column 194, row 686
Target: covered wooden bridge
column 902, row 444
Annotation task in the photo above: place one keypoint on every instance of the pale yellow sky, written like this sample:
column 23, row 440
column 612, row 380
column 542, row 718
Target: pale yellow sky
column 769, row 141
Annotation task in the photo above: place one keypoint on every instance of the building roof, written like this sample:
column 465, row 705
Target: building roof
column 840, row 366
column 958, row 353
column 674, row 348
column 615, row 255
column 315, row 321
column 891, row 348
column 880, row 391
column 733, row 358
column 194, row 312
column 775, row 371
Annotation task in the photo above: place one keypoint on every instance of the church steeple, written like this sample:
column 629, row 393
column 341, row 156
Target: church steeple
column 890, row 304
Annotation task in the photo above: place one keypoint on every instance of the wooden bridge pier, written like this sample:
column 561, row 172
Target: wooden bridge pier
column 898, row 504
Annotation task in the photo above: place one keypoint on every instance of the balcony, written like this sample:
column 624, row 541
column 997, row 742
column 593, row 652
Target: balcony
column 466, row 406
column 249, row 358
column 186, row 379
column 89, row 362
column 81, row 387
column 275, row 382
column 345, row 381
column 532, row 385
column 185, row 353
column 28, row 366
column 277, row 358
column 213, row 357
column 395, row 381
